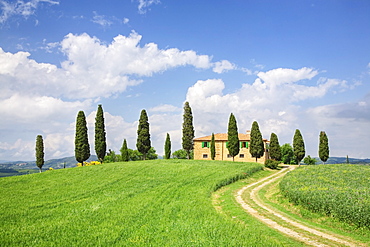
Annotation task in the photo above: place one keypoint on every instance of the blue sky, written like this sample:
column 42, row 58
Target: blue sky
column 285, row 64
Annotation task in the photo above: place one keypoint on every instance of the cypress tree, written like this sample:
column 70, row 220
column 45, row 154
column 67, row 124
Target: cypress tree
column 187, row 130
column 275, row 150
column 298, row 146
column 143, row 136
column 213, row 147
column 82, row 147
column 232, row 137
column 323, row 147
column 347, row 160
column 167, row 147
column 124, row 151
column 100, row 140
column 39, row 152
column 257, row 148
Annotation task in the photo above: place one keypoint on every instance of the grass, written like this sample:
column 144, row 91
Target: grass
column 339, row 191
column 149, row 203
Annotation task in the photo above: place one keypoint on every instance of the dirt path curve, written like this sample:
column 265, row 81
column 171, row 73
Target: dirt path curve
column 301, row 236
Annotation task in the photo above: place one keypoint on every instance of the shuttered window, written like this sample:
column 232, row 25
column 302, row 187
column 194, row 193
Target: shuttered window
column 205, row 144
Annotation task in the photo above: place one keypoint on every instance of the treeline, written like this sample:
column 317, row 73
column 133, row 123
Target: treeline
column 143, row 143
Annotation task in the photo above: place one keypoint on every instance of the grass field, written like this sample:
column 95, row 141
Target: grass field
column 148, row 203
column 339, row 191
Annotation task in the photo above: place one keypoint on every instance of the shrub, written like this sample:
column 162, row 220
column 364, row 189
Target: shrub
column 272, row 164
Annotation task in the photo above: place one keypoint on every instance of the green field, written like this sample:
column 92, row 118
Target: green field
column 148, row 203
column 339, row 191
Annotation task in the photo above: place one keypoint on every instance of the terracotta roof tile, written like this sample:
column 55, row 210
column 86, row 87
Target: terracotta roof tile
column 223, row 137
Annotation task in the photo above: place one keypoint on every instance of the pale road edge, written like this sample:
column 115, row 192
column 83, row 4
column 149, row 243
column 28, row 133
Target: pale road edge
column 275, row 225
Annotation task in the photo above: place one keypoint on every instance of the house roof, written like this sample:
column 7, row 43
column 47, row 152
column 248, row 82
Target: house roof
column 223, row 137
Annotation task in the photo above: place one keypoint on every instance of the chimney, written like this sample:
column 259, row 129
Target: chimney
column 248, row 132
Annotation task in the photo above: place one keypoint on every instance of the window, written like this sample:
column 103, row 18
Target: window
column 241, row 156
column 205, row 144
column 243, row 144
column 229, row 156
column 205, row 156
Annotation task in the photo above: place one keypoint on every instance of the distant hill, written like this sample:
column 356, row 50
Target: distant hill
column 343, row 160
column 54, row 163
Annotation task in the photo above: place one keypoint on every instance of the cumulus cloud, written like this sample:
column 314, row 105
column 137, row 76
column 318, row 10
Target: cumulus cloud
column 223, row 66
column 273, row 99
column 20, row 8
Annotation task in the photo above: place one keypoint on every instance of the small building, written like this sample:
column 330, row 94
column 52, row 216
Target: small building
column 202, row 148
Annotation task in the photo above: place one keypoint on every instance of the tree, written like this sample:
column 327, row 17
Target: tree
column 143, row 136
column 111, row 157
column 275, row 150
column 39, row 152
column 124, row 151
column 167, row 147
column 232, row 137
column 323, row 147
column 187, row 130
column 287, row 154
column 257, row 148
column 347, row 160
column 82, row 147
column 298, row 146
column 213, row 147
column 182, row 154
column 309, row 161
column 100, row 139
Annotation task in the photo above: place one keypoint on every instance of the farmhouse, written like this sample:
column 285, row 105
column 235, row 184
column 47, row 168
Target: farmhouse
column 202, row 148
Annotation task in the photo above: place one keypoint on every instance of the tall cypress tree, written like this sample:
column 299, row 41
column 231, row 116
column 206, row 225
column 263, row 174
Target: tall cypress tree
column 124, row 151
column 323, row 147
column 275, row 150
column 39, row 152
column 143, row 135
column 213, row 147
column 257, row 148
column 232, row 137
column 187, row 130
column 298, row 146
column 100, row 140
column 82, row 147
column 167, row 147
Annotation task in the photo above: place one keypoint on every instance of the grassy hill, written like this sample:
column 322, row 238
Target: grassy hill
column 142, row 203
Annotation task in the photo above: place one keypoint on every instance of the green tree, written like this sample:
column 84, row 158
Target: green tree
column 232, row 137
column 39, row 152
column 287, row 154
column 82, row 147
column 347, row 160
column 124, row 151
column 134, row 155
column 257, row 148
column 111, row 157
column 167, row 147
column 187, row 130
column 323, row 147
column 309, row 161
column 275, row 150
column 213, row 147
column 100, row 139
column 143, row 136
column 182, row 154
column 298, row 146
column 151, row 155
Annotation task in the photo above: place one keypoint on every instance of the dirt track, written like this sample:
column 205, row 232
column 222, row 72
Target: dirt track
column 309, row 236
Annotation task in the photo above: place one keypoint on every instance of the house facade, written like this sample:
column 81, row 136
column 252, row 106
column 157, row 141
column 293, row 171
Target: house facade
column 202, row 148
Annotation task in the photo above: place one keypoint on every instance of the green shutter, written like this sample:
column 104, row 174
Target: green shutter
column 246, row 144
column 227, row 144
column 202, row 144
column 240, row 144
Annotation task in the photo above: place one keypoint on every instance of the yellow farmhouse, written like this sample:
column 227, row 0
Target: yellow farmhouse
column 202, row 148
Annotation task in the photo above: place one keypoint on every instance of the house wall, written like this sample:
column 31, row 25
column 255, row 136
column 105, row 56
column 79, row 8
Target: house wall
column 204, row 153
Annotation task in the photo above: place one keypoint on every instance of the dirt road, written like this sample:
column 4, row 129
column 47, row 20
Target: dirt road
column 276, row 220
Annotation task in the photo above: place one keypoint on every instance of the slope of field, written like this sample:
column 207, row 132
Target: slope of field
column 340, row 191
column 156, row 203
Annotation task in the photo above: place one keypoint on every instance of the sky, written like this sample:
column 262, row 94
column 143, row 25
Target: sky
column 286, row 64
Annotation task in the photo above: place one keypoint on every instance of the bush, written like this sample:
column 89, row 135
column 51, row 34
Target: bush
column 272, row 164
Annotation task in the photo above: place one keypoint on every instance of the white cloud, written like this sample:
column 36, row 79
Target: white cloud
column 101, row 20
column 223, row 66
column 165, row 108
column 21, row 8
column 145, row 4
column 125, row 20
column 273, row 100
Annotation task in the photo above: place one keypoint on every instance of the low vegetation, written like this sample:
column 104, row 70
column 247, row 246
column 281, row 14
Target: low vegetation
column 340, row 191
column 157, row 202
